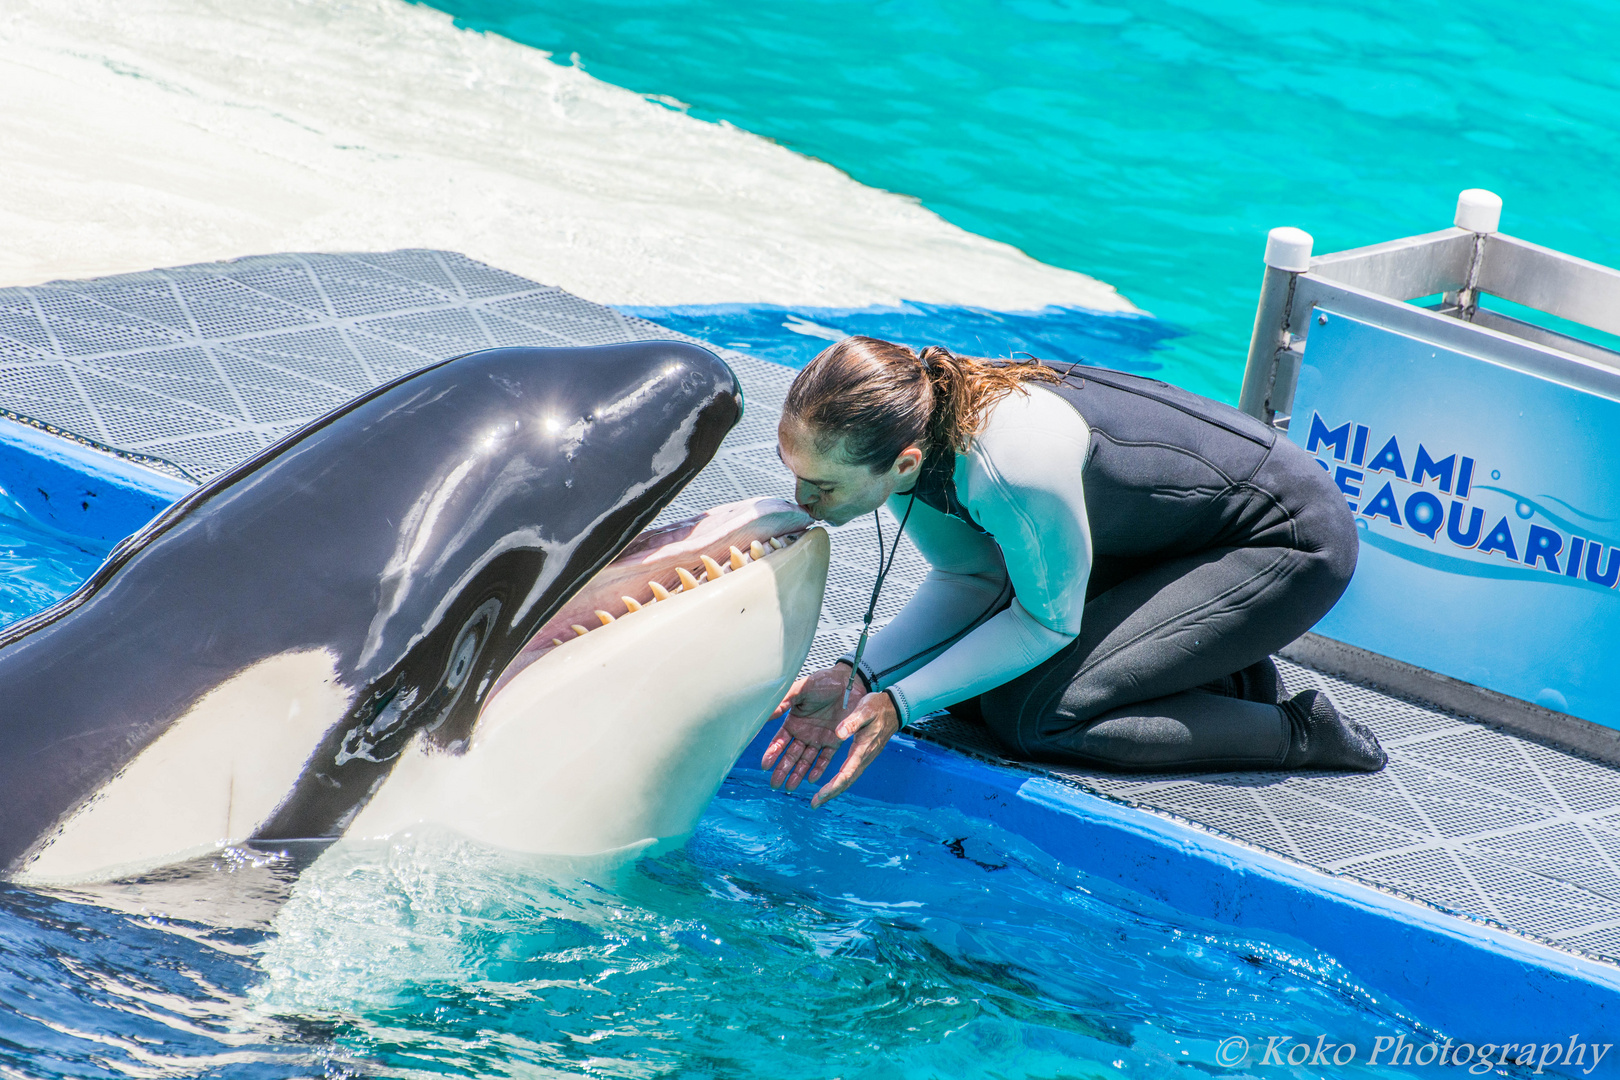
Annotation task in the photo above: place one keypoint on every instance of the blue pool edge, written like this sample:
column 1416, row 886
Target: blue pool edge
column 79, row 491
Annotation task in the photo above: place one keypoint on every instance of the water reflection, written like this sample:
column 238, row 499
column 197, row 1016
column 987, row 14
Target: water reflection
column 870, row 940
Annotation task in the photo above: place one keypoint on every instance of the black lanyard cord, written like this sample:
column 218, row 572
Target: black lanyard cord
column 884, row 566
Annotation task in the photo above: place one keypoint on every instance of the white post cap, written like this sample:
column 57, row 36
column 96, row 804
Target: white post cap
column 1479, row 210
column 1288, row 248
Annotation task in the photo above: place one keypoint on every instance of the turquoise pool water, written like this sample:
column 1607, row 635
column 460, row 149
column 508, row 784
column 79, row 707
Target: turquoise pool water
column 1152, row 143
column 867, row 941
column 793, row 335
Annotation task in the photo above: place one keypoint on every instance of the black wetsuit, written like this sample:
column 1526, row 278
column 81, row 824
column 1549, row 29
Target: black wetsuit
column 1215, row 542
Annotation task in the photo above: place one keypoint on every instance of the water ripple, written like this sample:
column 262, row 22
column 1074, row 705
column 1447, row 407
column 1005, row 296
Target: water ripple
column 867, row 940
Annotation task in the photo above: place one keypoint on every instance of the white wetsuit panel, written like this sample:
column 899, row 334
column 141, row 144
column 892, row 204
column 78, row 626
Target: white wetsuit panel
column 1021, row 481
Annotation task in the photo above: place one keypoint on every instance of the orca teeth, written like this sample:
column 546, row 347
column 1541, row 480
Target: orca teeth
column 712, row 570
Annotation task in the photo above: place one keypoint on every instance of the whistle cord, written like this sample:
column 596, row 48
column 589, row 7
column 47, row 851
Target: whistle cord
column 884, row 566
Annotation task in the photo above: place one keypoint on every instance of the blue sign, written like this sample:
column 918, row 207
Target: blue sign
column 1488, row 502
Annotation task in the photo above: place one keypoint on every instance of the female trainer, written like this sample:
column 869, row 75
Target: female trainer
column 1113, row 561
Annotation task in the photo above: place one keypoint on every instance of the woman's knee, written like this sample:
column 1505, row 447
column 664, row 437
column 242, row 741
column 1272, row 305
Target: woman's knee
column 1131, row 743
column 1052, row 720
column 1187, row 731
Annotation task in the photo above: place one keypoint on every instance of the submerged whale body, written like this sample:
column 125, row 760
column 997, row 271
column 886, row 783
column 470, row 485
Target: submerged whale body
column 255, row 663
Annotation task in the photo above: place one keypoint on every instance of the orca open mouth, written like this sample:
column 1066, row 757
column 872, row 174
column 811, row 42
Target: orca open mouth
column 613, row 741
column 663, row 562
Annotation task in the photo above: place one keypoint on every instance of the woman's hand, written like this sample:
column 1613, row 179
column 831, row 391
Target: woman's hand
column 808, row 737
column 870, row 726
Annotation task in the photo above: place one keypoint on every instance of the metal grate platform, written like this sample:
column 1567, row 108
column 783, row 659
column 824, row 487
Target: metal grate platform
column 202, row 366
column 193, row 369
column 1470, row 819
column 198, row 367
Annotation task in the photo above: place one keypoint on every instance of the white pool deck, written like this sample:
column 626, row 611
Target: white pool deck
column 195, row 368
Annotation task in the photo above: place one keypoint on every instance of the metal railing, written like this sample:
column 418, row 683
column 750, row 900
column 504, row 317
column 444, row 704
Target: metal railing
column 1458, row 265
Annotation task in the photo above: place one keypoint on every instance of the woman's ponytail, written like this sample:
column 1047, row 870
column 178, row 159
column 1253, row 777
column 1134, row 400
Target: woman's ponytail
column 947, row 380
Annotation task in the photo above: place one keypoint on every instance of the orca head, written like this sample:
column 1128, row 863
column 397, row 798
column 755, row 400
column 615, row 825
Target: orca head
column 552, row 462
column 263, row 650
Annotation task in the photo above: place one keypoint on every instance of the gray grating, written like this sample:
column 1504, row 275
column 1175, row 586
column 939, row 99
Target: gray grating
column 199, row 367
column 202, row 366
column 194, row 369
column 1468, row 818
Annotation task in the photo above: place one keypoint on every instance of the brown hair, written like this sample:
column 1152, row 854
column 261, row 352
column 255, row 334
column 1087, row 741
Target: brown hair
column 876, row 398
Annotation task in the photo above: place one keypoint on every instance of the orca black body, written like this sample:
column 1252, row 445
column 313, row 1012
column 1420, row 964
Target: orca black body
column 410, row 542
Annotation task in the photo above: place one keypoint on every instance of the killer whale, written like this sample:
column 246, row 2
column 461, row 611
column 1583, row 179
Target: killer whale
column 357, row 588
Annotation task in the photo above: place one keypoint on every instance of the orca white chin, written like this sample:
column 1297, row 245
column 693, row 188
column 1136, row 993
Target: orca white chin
column 612, row 741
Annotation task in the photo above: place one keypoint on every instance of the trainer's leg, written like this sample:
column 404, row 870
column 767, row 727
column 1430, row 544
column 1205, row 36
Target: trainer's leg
column 1202, row 732
column 1120, row 696
column 1190, row 730
column 1168, row 629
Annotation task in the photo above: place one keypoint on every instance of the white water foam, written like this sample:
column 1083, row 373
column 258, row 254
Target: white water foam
column 140, row 133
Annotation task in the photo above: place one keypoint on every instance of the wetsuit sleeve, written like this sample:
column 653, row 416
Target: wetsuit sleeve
column 1023, row 482
column 966, row 584
column 1003, row 648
